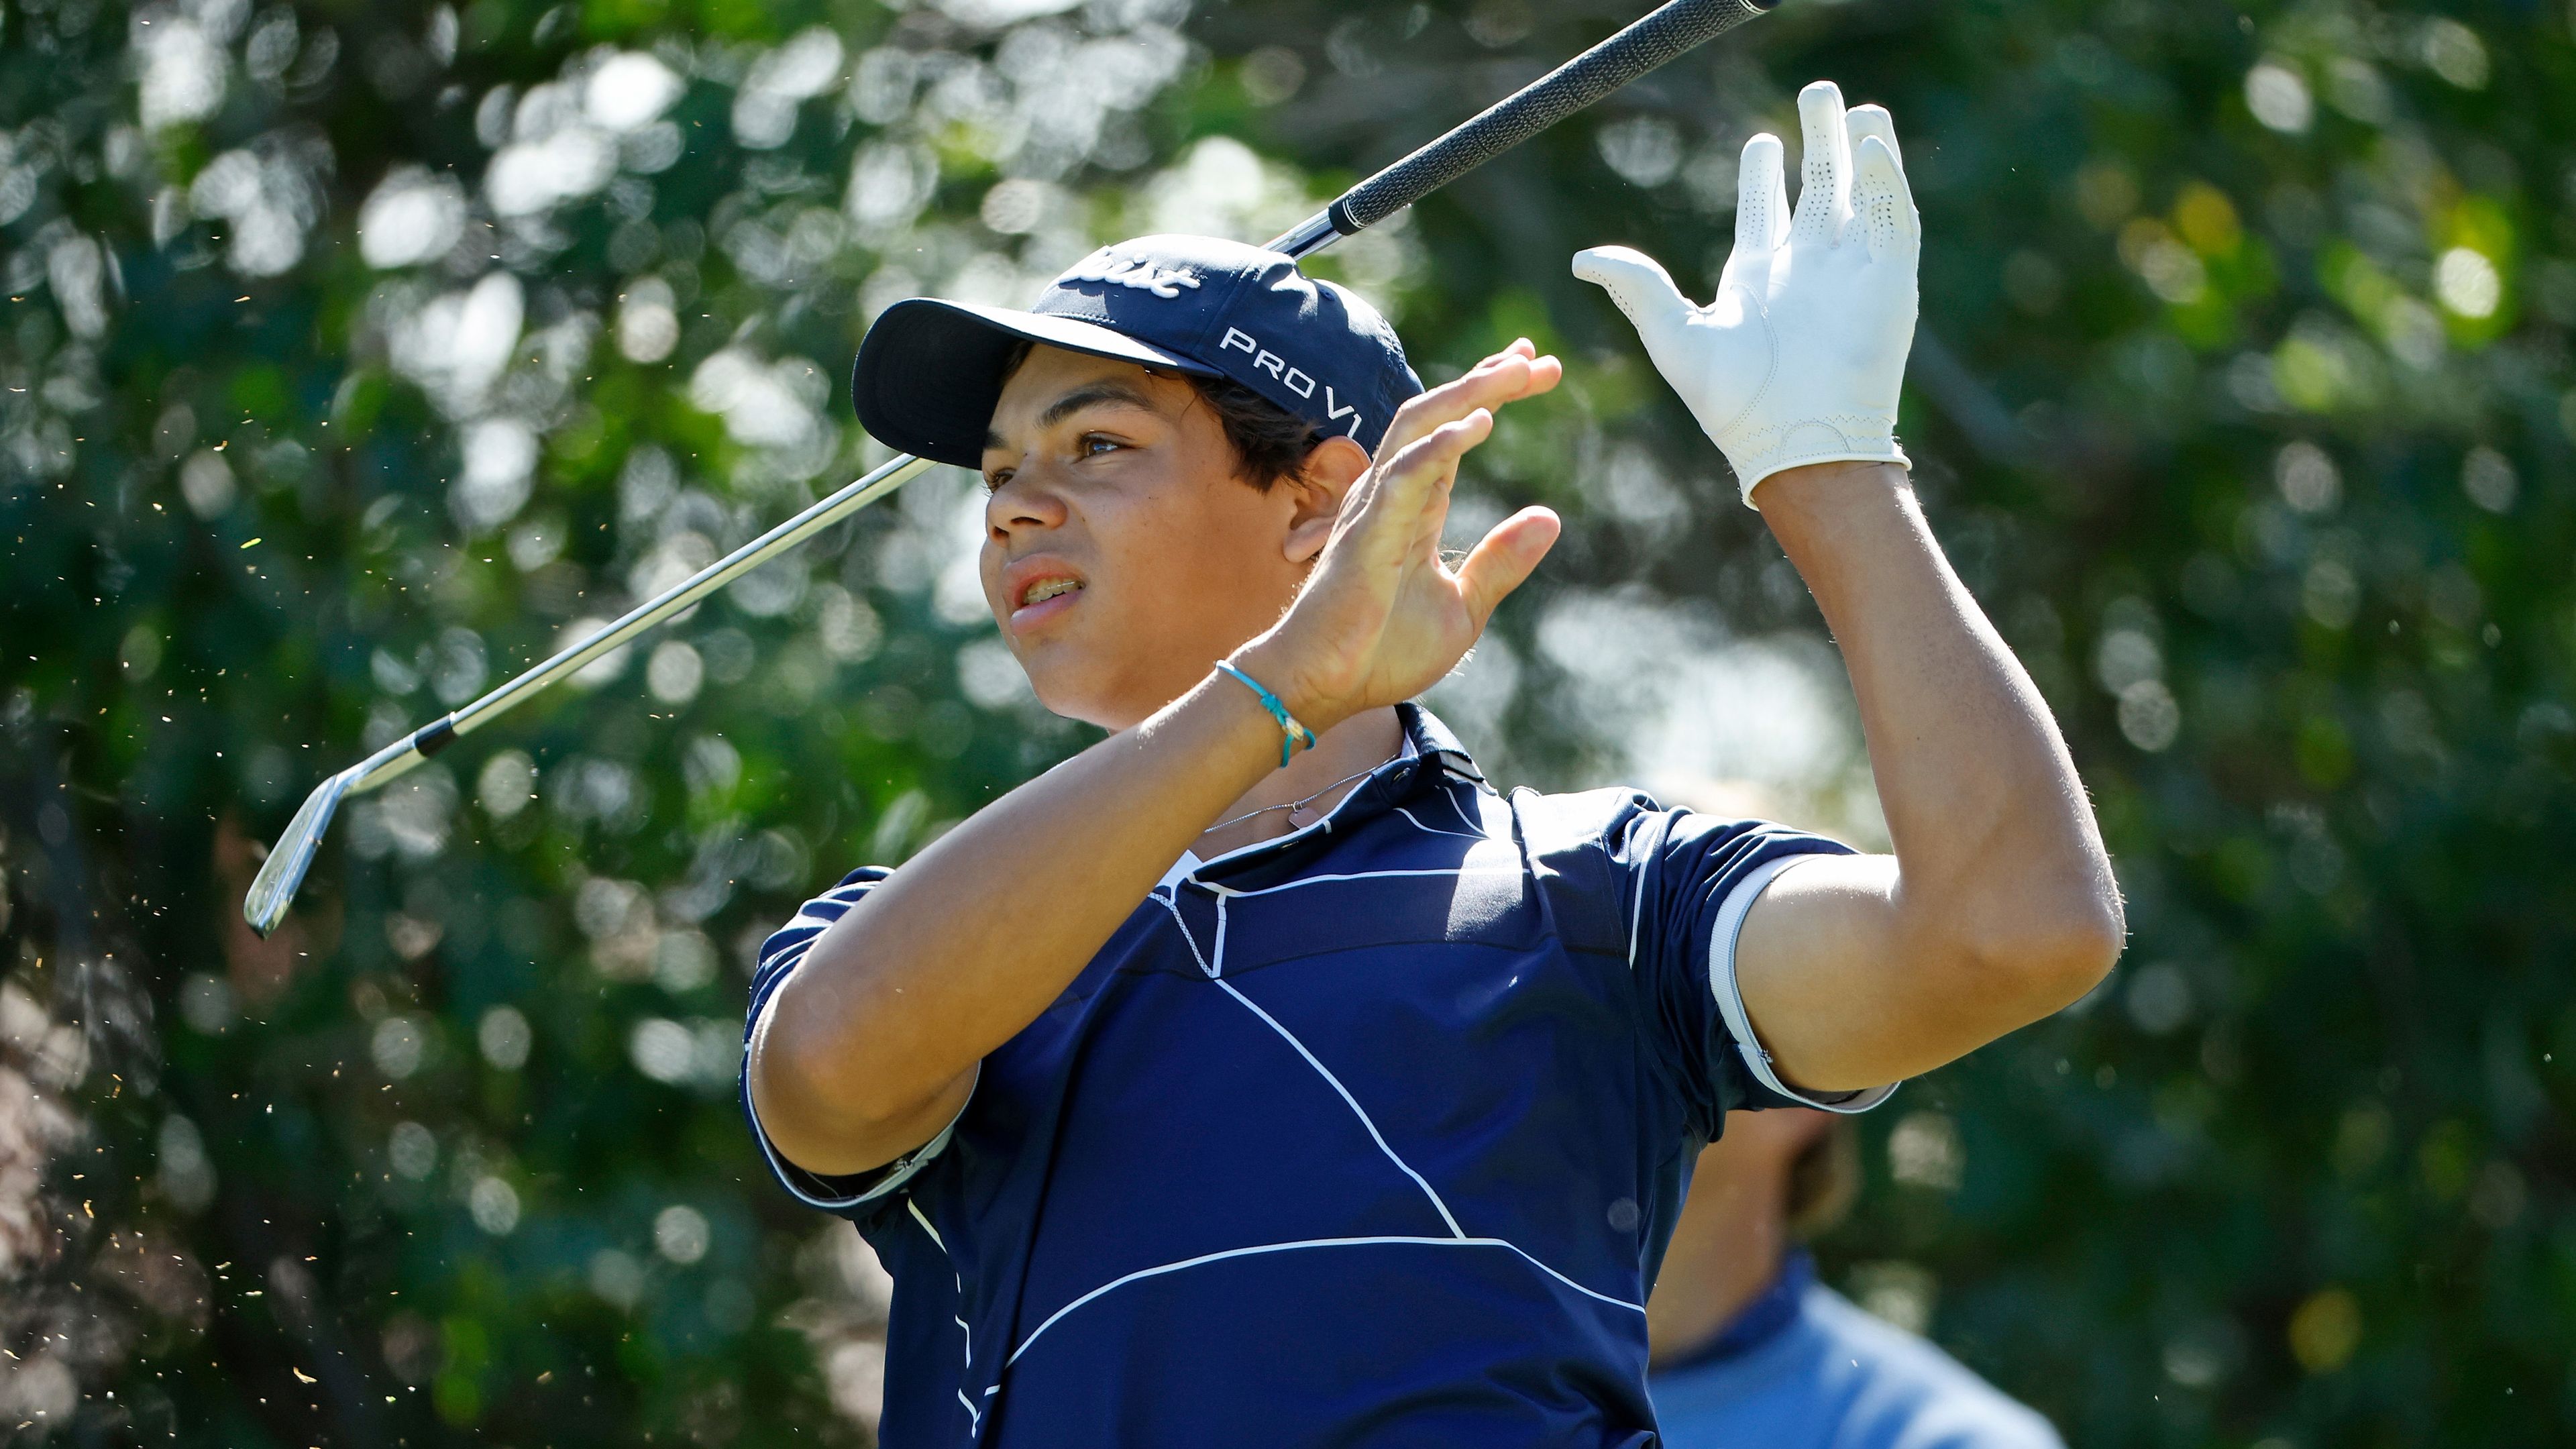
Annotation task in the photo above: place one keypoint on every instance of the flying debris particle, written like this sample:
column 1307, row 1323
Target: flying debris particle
column 302, row 1377
column 254, row 543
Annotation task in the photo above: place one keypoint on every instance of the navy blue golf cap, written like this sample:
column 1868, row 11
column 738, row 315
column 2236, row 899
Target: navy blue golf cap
column 930, row 371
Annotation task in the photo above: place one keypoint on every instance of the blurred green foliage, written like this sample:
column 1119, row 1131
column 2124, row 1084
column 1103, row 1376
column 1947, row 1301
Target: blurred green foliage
column 356, row 354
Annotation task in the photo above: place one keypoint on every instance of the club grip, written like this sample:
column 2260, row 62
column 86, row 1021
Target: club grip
column 1654, row 39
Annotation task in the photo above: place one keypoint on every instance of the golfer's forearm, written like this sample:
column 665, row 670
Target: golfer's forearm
column 1999, row 862
column 968, row 942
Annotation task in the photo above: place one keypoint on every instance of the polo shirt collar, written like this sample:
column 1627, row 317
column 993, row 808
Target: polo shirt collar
column 1435, row 761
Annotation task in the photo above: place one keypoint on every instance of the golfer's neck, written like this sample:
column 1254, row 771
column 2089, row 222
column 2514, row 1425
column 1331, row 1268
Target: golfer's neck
column 1356, row 745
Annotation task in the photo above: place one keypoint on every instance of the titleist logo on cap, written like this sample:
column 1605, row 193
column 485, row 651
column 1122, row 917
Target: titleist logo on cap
column 930, row 374
column 1138, row 272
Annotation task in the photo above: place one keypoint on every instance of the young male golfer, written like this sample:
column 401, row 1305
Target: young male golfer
column 1259, row 1076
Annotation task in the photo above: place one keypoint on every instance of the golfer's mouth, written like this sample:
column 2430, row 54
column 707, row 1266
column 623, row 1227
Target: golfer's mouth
column 1042, row 598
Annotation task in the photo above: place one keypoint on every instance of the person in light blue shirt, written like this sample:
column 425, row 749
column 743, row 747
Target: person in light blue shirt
column 1749, row 1349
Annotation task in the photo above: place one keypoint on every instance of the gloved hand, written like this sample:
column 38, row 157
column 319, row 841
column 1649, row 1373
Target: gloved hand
column 1800, row 357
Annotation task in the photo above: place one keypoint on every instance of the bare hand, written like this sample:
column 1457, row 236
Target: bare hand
column 1381, row 618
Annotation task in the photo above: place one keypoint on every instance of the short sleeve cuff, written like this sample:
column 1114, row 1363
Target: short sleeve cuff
column 1730, row 996
column 843, row 1193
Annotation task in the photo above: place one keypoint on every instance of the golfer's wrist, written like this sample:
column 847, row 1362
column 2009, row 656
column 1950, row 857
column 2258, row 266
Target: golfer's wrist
column 1275, row 662
column 1757, row 470
column 1825, row 511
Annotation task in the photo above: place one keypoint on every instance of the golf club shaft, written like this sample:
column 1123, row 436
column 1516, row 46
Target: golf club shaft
column 428, row 741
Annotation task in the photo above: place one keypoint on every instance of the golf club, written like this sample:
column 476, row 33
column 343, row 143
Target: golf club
column 1640, row 47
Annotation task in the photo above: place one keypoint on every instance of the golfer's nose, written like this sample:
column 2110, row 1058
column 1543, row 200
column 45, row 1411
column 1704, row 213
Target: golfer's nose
column 1024, row 503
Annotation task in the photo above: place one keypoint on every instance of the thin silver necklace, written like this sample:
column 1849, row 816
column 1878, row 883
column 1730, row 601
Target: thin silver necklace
column 1295, row 808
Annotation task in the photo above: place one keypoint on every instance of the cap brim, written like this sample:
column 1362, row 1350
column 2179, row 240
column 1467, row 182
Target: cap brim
column 930, row 371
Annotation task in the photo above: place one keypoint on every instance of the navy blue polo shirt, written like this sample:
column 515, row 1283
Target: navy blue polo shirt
column 1370, row 1134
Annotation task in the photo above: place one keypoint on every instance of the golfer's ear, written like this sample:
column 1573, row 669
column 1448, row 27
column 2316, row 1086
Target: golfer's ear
column 1319, row 488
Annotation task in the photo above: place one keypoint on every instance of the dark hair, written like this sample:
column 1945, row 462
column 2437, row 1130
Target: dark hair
column 1269, row 442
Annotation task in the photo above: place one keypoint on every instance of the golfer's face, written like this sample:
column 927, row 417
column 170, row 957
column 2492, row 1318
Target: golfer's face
column 1122, row 556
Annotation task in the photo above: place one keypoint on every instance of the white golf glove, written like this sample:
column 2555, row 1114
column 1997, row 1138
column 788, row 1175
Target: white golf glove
column 1800, row 357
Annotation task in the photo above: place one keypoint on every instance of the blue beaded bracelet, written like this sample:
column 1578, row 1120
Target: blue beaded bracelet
column 1291, row 734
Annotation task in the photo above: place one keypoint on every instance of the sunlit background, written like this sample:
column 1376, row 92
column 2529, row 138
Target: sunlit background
column 358, row 355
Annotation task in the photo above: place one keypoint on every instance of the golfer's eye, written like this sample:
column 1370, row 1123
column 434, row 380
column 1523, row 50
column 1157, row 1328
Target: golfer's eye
column 1093, row 445
column 994, row 480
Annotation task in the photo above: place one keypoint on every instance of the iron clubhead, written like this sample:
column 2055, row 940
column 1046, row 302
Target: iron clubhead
column 273, row 890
